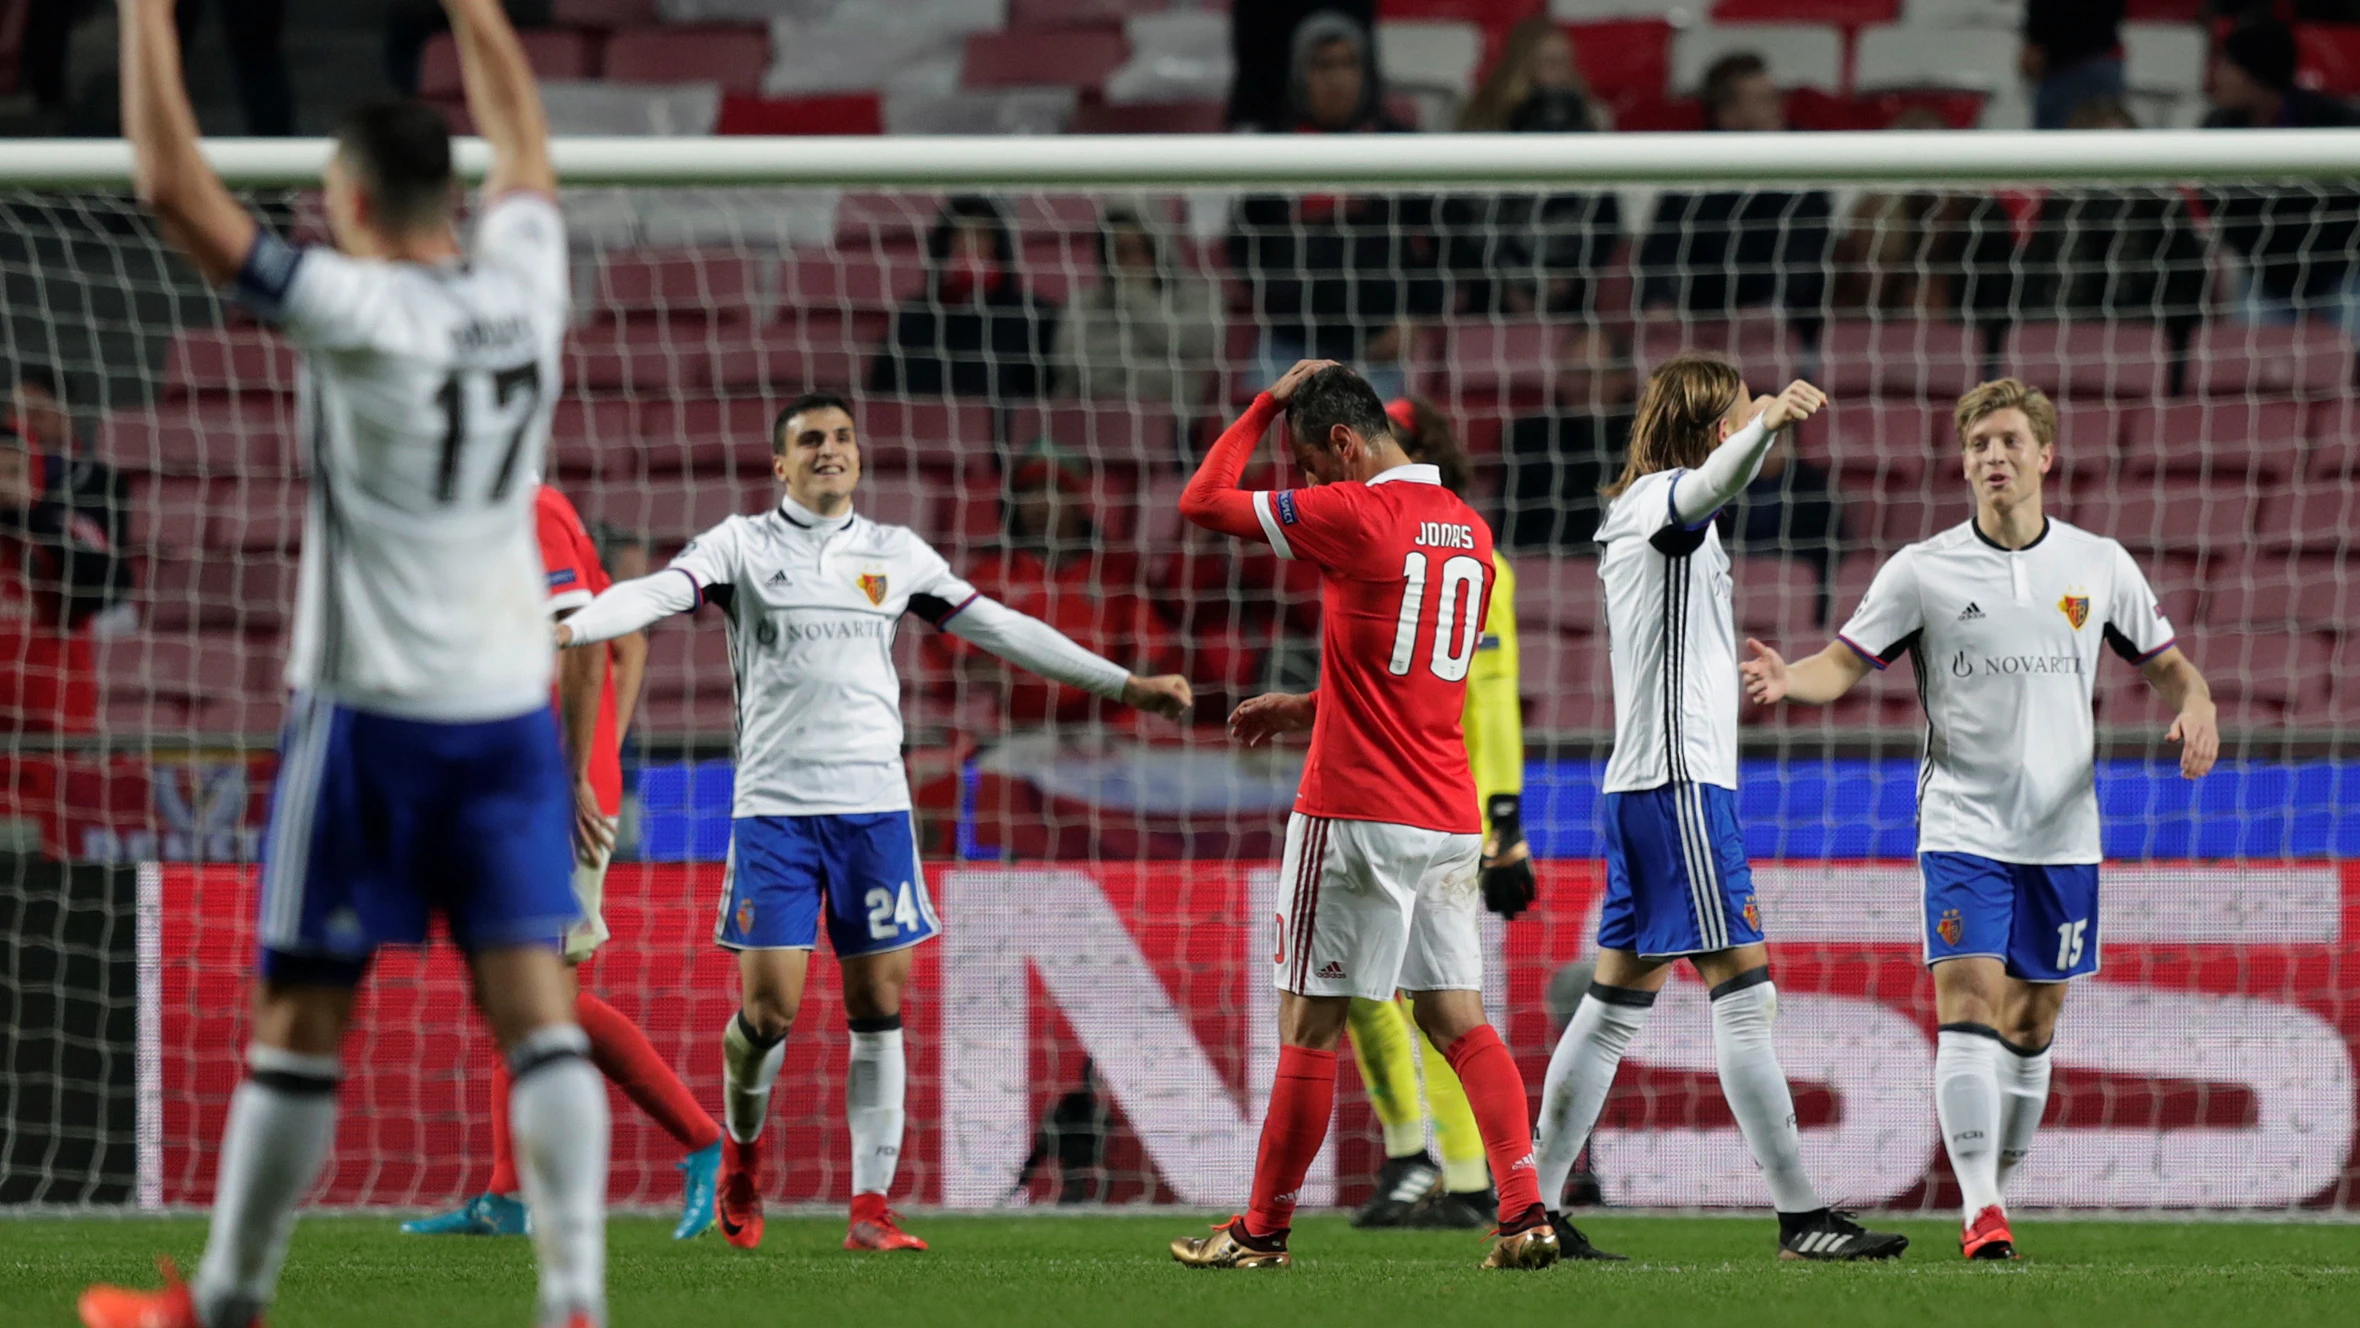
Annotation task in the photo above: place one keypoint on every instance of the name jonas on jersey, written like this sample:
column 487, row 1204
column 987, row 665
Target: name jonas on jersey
column 1445, row 535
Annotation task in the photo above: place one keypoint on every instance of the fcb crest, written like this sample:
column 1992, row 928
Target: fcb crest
column 1950, row 929
column 1753, row 914
column 2076, row 609
column 872, row 584
column 745, row 917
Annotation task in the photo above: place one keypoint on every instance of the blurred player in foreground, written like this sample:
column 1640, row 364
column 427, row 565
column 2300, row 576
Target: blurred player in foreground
column 1385, row 842
column 596, row 692
column 1410, row 1082
column 1677, row 882
column 2003, row 617
column 813, row 592
column 420, row 771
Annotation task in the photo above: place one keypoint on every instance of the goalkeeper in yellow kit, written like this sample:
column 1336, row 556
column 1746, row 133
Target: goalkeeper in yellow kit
column 1394, row 1056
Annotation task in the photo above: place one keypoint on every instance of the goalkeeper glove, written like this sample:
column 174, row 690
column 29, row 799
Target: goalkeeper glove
column 1509, row 886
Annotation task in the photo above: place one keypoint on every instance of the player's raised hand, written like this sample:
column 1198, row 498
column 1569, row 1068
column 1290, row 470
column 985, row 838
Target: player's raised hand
column 563, row 634
column 1764, row 675
column 1166, row 694
column 1293, row 378
column 1264, row 717
column 1800, row 401
column 2198, row 731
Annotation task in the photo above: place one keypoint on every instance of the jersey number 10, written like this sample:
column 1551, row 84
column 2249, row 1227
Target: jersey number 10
column 1454, row 636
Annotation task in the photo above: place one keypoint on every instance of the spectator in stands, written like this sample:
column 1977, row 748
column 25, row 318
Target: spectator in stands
column 2072, row 54
column 2297, row 242
column 1337, row 276
column 1262, row 45
column 410, row 24
column 1790, row 510
column 2126, row 253
column 252, row 30
column 976, row 330
column 1557, row 461
column 66, row 472
column 1713, row 254
column 1923, row 254
column 1525, row 253
column 1149, row 330
column 58, row 571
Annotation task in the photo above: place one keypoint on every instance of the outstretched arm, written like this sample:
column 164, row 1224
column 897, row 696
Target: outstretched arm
column 502, row 98
column 1212, row 498
column 628, row 606
column 197, row 213
column 1733, row 465
column 1029, row 643
column 2196, row 725
column 1824, row 677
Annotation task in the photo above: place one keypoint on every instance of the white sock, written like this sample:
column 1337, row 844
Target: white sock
column 2024, row 1094
column 1744, row 1008
column 1966, row 1098
column 873, row 1086
column 282, row 1120
column 1581, row 1069
column 557, row 1117
column 749, row 1065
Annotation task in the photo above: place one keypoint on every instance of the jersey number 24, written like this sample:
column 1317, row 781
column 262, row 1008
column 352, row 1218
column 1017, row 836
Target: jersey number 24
column 1454, row 636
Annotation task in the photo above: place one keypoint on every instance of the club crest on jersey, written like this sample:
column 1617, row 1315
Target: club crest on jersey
column 2076, row 609
column 745, row 916
column 1753, row 914
column 1950, row 929
column 872, row 584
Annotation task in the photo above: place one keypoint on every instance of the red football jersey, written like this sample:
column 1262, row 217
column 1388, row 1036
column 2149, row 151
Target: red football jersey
column 1405, row 584
column 575, row 576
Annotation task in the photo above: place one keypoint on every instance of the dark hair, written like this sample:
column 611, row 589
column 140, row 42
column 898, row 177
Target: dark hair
column 1721, row 80
column 1432, row 442
column 2265, row 49
column 43, row 377
column 1333, row 396
column 401, row 150
column 964, row 209
column 808, row 401
column 1123, row 217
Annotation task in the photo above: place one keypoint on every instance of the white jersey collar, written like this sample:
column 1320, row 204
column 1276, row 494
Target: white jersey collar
column 804, row 518
column 1416, row 472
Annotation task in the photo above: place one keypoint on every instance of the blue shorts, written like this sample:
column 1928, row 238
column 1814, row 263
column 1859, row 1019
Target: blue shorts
column 2042, row 921
column 377, row 823
column 862, row 869
column 1677, row 882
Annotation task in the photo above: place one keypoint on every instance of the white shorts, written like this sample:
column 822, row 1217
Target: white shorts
column 1366, row 908
column 583, row 938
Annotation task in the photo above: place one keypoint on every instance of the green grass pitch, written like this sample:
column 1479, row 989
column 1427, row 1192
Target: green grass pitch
column 1043, row 1271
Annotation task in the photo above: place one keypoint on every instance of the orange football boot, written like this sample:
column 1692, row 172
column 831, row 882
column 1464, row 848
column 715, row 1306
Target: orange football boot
column 122, row 1307
column 737, row 1201
column 876, row 1227
column 1988, row 1237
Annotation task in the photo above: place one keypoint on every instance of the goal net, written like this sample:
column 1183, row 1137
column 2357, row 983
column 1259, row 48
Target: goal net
column 1034, row 367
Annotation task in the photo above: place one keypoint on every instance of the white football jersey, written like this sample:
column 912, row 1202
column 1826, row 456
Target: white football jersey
column 1671, row 642
column 426, row 400
column 2005, row 643
column 812, row 605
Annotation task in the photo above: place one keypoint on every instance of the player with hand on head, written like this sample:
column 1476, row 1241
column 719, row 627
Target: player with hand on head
column 596, row 693
column 420, row 772
column 1409, row 1081
column 812, row 592
column 1385, row 842
column 1677, row 882
column 2003, row 617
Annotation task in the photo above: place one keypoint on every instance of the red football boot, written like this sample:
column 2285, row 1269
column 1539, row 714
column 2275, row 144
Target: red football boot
column 122, row 1307
column 876, row 1227
column 737, row 1202
column 1988, row 1237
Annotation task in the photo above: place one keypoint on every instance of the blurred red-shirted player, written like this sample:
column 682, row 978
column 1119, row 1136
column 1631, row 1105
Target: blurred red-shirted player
column 593, row 712
column 1379, row 878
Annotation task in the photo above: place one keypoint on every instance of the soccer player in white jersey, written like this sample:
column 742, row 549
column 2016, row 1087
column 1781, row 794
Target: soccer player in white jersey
column 813, row 592
column 2003, row 617
column 1677, row 882
column 420, row 771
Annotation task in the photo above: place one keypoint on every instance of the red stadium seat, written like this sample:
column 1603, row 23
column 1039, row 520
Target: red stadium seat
column 1498, row 362
column 711, row 713
column 2089, row 446
column 714, row 284
column 2236, row 442
column 603, row 15
column 1917, row 359
column 229, row 360
column 2286, row 668
column 1840, row 13
column 167, row 515
column 1758, row 341
column 251, row 435
column 2283, row 593
column 849, row 113
column 734, row 58
column 1100, row 434
column 641, row 356
column 1561, row 594
column 815, row 353
column 1156, row 117
column 1872, row 442
column 872, row 222
column 898, row 500
column 2334, row 430
column 1659, row 115
column 1777, row 599
column 2106, row 360
column 668, row 511
column 1625, row 61
column 847, row 280
column 2328, row 57
column 2232, row 359
column 2169, row 516
column 164, row 680
column 1566, row 684
column 1073, row 13
column 590, row 434
column 552, row 52
column 2309, row 516
column 929, row 435
column 1067, row 57
column 258, row 515
column 708, row 435
column 1908, row 515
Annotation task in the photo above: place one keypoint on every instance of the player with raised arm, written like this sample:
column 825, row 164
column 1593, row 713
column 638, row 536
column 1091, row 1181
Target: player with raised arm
column 1385, row 842
column 1677, row 882
column 596, row 690
column 2003, row 617
column 420, row 771
column 812, row 593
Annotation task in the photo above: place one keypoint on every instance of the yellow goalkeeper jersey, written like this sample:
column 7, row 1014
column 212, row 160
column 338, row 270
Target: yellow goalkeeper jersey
column 1494, row 719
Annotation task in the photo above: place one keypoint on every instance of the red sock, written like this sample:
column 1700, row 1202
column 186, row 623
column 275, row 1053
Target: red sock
column 1496, row 1092
column 503, row 1157
column 1301, row 1100
column 623, row 1054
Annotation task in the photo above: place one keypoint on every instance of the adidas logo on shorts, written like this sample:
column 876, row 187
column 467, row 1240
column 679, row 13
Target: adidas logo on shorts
column 1971, row 613
column 1331, row 970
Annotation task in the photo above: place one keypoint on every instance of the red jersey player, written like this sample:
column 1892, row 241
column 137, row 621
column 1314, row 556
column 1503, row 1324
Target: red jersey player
column 1379, row 878
column 594, row 717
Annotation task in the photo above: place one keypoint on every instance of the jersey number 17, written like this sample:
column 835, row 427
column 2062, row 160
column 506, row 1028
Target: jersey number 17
column 502, row 389
column 1454, row 635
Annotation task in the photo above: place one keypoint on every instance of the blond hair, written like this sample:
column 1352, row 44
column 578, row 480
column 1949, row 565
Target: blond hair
column 1988, row 399
column 1509, row 82
column 1679, row 416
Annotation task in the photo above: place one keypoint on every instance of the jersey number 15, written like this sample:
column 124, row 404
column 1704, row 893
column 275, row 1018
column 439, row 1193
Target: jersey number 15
column 502, row 389
column 1454, row 636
